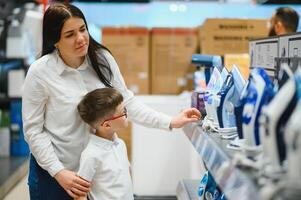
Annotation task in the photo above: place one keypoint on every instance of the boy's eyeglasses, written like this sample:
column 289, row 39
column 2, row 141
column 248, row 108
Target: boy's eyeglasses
column 124, row 113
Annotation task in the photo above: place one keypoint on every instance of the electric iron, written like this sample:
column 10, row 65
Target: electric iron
column 213, row 87
column 274, row 119
column 258, row 93
column 293, row 145
column 201, row 78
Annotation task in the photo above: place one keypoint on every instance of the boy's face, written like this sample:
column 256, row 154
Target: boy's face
column 118, row 120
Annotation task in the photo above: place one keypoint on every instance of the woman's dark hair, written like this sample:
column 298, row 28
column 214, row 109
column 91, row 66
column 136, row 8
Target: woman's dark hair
column 54, row 18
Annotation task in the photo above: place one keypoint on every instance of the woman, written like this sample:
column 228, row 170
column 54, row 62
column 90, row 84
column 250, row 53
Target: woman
column 72, row 64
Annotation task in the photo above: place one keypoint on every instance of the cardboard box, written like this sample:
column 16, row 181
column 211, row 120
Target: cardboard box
column 227, row 36
column 242, row 61
column 200, row 33
column 130, row 47
column 171, row 51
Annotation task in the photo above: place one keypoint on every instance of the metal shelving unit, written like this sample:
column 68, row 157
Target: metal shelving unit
column 235, row 183
column 187, row 189
column 12, row 168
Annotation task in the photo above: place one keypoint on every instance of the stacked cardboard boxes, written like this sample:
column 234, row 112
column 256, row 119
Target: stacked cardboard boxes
column 228, row 36
column 130, row 47
column 171, row 51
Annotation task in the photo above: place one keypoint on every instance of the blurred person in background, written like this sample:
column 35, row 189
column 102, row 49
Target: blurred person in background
column 285, row 20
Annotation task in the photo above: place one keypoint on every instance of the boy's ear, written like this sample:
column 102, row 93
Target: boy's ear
column 106, row 125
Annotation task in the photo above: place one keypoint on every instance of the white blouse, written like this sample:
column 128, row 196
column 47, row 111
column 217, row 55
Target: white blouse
column 52, row 126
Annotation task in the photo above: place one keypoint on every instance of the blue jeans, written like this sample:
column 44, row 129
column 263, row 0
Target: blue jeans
column 42, row 186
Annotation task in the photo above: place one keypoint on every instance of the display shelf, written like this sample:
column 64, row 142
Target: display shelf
column 187, row 190
column 13, row 169
column 235, row 183
column 5, row 101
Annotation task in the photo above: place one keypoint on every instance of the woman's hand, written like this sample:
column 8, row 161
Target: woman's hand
column 186, row 116
column 73, row 184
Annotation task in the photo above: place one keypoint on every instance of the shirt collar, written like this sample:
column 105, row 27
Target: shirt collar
column 99, row 141
column 61, row 66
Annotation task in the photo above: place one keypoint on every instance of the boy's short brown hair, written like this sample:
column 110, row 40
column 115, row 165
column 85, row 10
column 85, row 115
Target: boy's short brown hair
column 98, row 104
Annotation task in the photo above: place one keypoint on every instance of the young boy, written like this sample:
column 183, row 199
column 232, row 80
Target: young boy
column 104, row 161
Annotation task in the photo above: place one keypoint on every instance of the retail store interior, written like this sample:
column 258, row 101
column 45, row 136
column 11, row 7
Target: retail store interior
column 217, row 56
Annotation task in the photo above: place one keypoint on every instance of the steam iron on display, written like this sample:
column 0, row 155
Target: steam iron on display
column 205, row 65
column 229, row 99
column 274, row 119
column 226, row 132
column 213, row 87
column 227, row 88
column 258, row 93
column 293, row 144
column 239, row 141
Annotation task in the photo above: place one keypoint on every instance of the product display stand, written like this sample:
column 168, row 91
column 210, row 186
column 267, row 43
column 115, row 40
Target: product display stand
column 187, row 189
column 12, row 168
column 235, row 183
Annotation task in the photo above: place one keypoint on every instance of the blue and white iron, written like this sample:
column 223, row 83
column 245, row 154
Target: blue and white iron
column 293, row 140
column 230, row 99
column 215, row 98
column 227, row 88
column 259, row 92
column 205, row 65
column 274, row 119
column 210, row 89
column 226, row 132
column 239, row 109
column 239, row 142
column 213, row 87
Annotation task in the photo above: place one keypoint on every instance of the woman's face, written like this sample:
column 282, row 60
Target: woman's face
column 74, row 40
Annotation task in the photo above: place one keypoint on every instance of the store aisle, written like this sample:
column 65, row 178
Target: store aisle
column 20, row 191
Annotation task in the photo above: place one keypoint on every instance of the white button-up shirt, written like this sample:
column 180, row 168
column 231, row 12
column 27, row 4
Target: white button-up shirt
column 53, row 128
column 106, row 165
